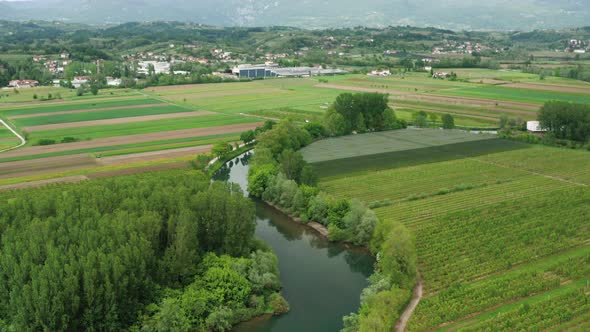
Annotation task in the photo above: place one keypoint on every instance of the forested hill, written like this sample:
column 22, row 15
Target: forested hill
column 455, row 14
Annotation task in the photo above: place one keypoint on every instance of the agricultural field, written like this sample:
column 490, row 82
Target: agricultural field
column 84, row 133
column 502, row 231
column 119, row 121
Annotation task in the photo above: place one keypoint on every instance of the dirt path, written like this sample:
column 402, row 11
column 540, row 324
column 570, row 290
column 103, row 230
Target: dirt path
column 35, row 115
column 474, row 102
column 22, row 139
column 132, row 139
column 116, row 121
column 407, row 314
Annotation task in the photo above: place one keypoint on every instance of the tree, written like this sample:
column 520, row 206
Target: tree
column 80, row 91
column 308, row 176
column 220, row 149
column 248, row 136
column 335, row 123
column 94, row 89
column 448, row 121
column 292, row 164
column 433, row 118
column 420, row 119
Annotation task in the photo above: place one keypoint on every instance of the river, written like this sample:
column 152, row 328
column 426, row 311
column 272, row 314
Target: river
column 322, row 281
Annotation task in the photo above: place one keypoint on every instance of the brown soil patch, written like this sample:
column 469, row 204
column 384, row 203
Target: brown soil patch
column 489, row 81
column 116, row 121
column 357, row 89
column 154, row 155
column 132, row 139
column 42, row 183
column 85, row 111
column 136, row 170
column 473, row 102
column 549, row 87
column 42, row 165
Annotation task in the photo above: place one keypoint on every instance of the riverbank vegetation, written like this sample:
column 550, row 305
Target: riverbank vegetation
column 165, row 251
column 279, row 175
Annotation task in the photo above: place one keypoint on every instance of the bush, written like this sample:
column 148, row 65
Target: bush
column 69, row 140
column 278, row 304
column 46, row 141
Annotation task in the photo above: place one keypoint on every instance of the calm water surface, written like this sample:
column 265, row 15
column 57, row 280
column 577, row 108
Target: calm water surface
column 321, row 281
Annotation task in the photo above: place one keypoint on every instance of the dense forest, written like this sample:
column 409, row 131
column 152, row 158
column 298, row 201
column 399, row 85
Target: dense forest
column 167, row 251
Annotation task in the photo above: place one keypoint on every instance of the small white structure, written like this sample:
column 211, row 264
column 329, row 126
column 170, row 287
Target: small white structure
column 114, row 82
column 22, row 84
column 380, row 72
column 78, row 81
column 535, row 127
column 159, row 67
column 580, row 51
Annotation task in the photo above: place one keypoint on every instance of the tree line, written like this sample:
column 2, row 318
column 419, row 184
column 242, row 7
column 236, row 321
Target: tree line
column 168, row 251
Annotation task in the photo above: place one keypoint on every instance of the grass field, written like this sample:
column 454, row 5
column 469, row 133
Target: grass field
column 136, row 128
column 502, row 229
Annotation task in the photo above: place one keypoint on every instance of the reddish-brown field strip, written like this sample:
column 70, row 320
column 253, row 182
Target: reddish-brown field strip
column 84, row 111
column 154, row 155
column 473, row 102
column 359, row 89
column 42, row 183
column 549, row 87
column 132, row 139
column 136, row 170
column 115, row 121
column 45, row 165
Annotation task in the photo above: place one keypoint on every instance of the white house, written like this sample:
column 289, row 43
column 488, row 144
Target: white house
column 535, row 127
column 22, row 84
column 114, row 82
column 80, row 80
column 580, row 51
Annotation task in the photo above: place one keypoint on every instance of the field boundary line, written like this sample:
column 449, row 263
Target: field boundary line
column 551, row 177
column 23, row 141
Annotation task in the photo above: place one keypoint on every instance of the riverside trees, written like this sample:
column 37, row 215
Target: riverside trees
column 565, row 120
column 92, row 256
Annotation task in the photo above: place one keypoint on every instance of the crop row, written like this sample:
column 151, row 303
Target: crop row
column 460, row 300
column 548, row 312
column 468, row 245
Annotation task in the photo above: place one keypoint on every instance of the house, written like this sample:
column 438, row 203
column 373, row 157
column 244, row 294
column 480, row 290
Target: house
column 56, row 83
column 380, row 72
column 114, row 82
column 535, row 127
column 80, row 80
column 580, row 51
column 22, row 84
column 64, row 55
column 159, row 67
column 428, row 68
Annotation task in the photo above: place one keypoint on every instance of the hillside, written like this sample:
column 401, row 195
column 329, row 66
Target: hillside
column 455, row 14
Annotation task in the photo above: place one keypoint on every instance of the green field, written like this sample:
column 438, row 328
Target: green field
column 502, row 233
column 514, row 94
column 99, row 115
column 134, row 128
column 84, row 105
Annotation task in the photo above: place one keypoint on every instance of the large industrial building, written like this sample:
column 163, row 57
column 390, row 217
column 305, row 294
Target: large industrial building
column 273, row 70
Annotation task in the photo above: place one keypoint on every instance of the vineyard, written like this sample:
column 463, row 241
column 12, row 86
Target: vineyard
column 503, row 238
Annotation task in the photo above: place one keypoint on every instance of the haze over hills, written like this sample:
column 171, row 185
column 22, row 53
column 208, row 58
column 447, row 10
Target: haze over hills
column 452, row 14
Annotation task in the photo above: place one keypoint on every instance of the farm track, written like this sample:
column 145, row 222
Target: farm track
column 22, row 139
column 409, row 311
column 16, row 117
column 132, row 139
column 116, row 121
